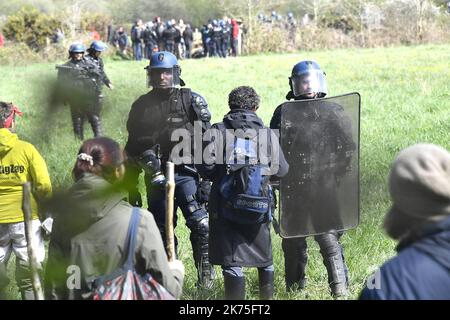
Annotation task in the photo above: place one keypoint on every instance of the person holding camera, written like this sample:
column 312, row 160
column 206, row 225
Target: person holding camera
column 155, row 118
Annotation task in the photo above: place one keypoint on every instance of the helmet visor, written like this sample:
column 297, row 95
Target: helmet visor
column 163, row 77
column 311, row 81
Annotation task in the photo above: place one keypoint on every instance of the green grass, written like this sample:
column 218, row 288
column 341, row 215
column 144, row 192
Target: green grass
column 405, row 100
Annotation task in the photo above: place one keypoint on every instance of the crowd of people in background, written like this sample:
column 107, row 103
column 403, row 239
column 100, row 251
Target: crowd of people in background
column 216, row 38
column 221, row 37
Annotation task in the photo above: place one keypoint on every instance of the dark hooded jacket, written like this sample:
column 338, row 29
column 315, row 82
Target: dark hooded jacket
column 420, row 271
column 90, row 227
column 232, row 244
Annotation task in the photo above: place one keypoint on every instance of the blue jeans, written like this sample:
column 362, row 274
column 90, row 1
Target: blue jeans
column 137, row 50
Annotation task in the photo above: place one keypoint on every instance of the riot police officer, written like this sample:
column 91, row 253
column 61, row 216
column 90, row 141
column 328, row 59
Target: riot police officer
column 307, row 81
column 94, row 51
column 152, row 120
column 78, row 86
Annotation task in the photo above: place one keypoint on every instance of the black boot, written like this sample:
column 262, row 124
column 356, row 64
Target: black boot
column 234, row 287
column 199, row 241
column 295, row 260
column 333, row 258
column 266, row 286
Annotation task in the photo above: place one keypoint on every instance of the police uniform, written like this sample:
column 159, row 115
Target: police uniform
column 321, row 200
column 101, row 78
column 78, row 86
column 152, row 119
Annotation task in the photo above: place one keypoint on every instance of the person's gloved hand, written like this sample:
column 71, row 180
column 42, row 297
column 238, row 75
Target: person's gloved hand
column 177, row 265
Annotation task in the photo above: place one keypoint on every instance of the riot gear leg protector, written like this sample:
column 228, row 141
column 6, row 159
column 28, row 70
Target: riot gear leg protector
column 333, row 259
column 199, row 240
column 295, row 260
column 78, row 122
column 96, row 124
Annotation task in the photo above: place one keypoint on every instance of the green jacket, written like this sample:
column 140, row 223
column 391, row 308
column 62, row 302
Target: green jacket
column 90, row 226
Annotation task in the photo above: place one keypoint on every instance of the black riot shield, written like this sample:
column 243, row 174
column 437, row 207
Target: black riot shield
column 320, row 139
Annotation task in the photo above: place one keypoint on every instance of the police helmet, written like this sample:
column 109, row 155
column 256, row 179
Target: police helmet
column 167, row 61
column 290, row 15
column 306, row 78
column 77, row 47
column 98, row 46
column 214, row 23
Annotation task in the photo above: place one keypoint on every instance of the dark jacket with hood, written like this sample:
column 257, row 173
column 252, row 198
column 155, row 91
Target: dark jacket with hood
column 90, row 227
column 420, row 271
column 232, row 244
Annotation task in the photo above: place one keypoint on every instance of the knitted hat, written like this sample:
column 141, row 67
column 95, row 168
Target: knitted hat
column 419, row 184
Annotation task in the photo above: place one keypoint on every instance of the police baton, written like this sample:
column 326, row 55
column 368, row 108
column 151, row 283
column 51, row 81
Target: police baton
column 170, row 192
column 26, row 208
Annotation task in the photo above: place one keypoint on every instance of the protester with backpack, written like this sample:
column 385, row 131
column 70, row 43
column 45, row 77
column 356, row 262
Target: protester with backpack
column 91, row 226
column 243, row 157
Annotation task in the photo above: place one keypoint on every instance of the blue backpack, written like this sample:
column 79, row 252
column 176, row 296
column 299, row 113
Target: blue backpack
column 245, row 192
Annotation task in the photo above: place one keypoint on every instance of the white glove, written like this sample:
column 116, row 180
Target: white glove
column 177, row 265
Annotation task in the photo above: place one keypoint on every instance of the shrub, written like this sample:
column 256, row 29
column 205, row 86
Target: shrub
column 31, row 27
column 18, row 54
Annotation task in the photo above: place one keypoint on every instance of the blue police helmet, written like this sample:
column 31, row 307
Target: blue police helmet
column 165, row 60
column 214, row 22
column 98, row 46
column 290, row 14
column 77, row 48
column 307, row 77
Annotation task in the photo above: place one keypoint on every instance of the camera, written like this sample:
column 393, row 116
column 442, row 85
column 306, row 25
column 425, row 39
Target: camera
column 150, row 161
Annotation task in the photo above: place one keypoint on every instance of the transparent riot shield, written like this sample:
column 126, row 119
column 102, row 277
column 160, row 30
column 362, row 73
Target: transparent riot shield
column 320, row 139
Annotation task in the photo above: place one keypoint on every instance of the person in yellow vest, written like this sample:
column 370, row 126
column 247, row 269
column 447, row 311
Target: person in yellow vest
column 19, row 162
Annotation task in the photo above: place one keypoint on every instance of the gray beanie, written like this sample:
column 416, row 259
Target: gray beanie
column 419, row 184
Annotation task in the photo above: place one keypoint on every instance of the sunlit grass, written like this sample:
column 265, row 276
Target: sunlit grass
column 405, row 100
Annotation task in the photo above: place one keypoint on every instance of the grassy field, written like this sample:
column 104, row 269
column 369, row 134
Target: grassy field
column 405, row 100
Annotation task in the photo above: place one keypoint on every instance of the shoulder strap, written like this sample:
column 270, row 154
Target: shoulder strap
column 186, row 98
column 130, row 240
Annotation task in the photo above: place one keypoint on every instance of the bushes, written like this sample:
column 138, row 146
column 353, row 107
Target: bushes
column 31, row 27
column 18, row 54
